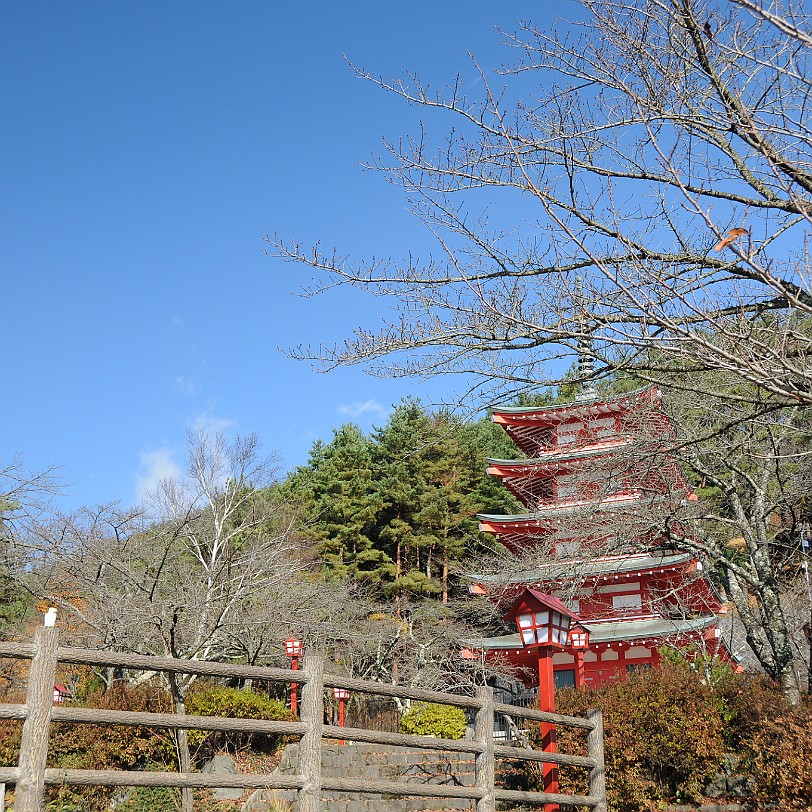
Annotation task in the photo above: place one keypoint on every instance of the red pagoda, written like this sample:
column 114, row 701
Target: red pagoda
column 589, row 468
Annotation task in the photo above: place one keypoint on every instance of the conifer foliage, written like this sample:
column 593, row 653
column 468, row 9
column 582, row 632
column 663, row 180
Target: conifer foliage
column 396, row 510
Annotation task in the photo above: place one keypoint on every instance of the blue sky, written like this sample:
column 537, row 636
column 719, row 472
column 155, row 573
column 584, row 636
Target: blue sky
column 145, row 150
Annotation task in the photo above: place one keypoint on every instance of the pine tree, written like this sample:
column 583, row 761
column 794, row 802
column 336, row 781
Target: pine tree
column 399, row 457
column 397, row 510
column 340, row 495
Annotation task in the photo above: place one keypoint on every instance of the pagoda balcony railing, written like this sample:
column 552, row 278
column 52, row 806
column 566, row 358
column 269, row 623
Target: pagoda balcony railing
column 588, row 500
column 584, row 444
column 630, row 613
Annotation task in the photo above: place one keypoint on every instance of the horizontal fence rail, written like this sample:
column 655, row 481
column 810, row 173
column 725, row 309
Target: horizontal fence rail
column 31, row 774
column 141, row 778
column 143, row 662
column 543, row 716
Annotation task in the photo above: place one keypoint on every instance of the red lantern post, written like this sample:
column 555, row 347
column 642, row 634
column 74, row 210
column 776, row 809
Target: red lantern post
column 579, row 643
column 293, row 648
column 544, row 626
column 342, row 695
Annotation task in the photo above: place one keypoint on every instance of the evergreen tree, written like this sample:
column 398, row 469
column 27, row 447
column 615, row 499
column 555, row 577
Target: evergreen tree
column 397, row 510
column 400, row 454
column 485, row 440
column 340, row 496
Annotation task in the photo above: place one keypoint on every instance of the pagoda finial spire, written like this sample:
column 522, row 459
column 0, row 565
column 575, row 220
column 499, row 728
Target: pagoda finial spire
column 585, row 369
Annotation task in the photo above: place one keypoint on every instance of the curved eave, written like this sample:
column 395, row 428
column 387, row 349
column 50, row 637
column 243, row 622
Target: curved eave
column 593, row 407
column 605, row 566
column 553, row 458
column 525, row 520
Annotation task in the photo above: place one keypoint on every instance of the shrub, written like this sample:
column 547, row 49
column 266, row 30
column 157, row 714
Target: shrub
column 213, row 700
column 663, row 738
column 150, row 799
column 428, row 719
column 167, row 799
column 745, row 702
column 94, row 747
column 117, row 747
column 10, row 731
column 781, row 759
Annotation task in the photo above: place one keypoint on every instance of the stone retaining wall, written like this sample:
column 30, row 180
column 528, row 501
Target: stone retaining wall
column 375, row 762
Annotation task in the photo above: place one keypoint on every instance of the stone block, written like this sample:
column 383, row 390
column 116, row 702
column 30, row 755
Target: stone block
column 223, row 765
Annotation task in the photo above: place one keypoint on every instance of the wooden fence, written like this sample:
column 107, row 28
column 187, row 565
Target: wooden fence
column 31, row 774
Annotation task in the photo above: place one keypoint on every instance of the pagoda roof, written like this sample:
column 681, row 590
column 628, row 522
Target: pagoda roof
column 594, row 405
column 555, row 509
column 614, row 631
column 594, row 568
column 548, row 457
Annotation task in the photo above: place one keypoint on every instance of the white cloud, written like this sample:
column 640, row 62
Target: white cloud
column 359, row 408
column 155, row 466
column 176, row 322
column 210, row 423
column 187, row 386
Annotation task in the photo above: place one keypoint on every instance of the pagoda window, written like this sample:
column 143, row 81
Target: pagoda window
column 627, row 602
column 633, row 586
column 570, row 433
column 602, row 429
column 593, row 431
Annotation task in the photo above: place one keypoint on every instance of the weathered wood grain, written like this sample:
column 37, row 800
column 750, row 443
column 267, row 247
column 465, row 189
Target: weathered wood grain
column 594, row 744
column 312, row 714
column 28, row 796
column 485, row 763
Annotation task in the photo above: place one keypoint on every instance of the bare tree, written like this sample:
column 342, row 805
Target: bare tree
column 635, row 188
column 186, row 580
column 25, row 497
column 661, row 151
column 753, row 478
column 24, row 494
column 420, row 647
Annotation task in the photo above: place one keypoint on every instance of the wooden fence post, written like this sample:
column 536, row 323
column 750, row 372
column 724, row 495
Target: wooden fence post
column 39, row 699
column 594, row 746
column 485, row 763
column 312, row 714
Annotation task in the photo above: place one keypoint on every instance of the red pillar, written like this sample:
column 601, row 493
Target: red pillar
column 341, row 717
column 294, row 699
column 547, row 703
column 579, row 669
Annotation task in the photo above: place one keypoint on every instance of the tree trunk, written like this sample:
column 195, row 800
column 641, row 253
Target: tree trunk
column 182, row 743
column 766, row 632
column 789, row 685
column 445, row 576
column 398, row 573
